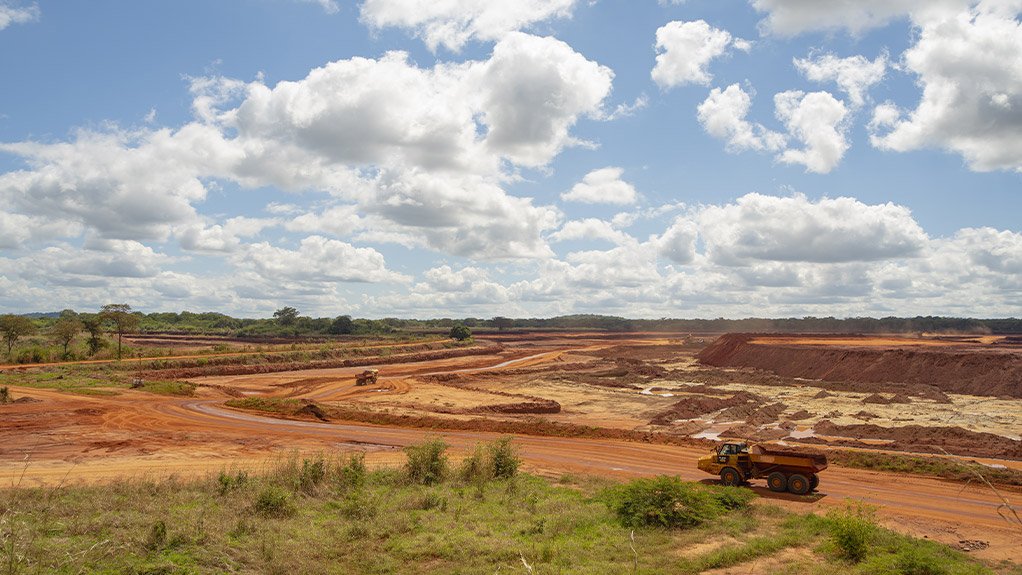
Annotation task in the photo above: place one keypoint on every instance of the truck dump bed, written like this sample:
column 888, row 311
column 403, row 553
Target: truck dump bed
column 775, row 456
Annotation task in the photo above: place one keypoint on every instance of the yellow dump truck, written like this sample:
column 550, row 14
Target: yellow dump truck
column 367, row 377
column 785, row 470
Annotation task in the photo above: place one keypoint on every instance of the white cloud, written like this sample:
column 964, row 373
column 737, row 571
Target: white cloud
column 685, row 50
column 453, row 23
column 795, row 229
column 532, row 91
column 678, row 243
column 328, row 6
column 316, row 260
column 15, row 15
column 602, row 186
column 791, row 17
column 723, row 116
column 818, row 121
column 970, row 67
column 590, row 229
column 855, row 75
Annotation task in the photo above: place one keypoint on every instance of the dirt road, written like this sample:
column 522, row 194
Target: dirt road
column 63, row 437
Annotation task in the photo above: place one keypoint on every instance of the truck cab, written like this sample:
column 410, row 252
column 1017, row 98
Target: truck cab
column 730, row 454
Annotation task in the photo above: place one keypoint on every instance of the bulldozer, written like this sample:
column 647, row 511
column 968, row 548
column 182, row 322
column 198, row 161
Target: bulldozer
column 785, row 470
column 367, row 377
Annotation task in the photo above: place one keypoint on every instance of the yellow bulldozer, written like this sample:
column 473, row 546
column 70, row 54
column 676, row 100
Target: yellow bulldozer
column 785, row 470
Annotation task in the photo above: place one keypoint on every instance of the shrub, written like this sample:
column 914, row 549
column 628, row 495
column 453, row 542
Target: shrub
column 273, row 502
column 227, row 482
column 733, row 498
column 852, row 530
column 662, row 501
column 474, row 468
column 312, row 474
column 504, row 460
column 353, row 473
column 460, row 333
column 427, row 462
column 358, row 505
column 5, row 395
column 914, row 560
column 157, row 537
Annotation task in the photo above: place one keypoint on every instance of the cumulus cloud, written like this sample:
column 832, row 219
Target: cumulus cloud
column 678, row 243
column 602, row 186
column 317, row 259
column 685, row 50
column 590, row 229
column 453, row 23
column 855, row 75
column 10, row 14
column 970, row 67
column 796, row 229
column 818, row 121
column 723, row 116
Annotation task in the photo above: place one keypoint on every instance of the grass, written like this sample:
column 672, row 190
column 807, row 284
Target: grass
column 169, row 387
column 332, row 515
column 935, row 466
column 91, row 381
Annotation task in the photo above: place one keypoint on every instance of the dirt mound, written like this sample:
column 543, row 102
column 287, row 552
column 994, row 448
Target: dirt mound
column 901, row 398
column 743, row 403
column 824, row 394
column 754, row 433
column 866, row 415
column 524, row 407
column 313, row 410
column 951, row 369
column 800, row 415
column 26, row 400
column 954, row 440
column 877, row 399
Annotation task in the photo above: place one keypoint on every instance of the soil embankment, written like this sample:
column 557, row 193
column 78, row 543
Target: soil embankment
column 965, row 369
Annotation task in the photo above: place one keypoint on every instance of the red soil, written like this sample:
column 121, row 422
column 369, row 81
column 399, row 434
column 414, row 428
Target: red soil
column 956, row 368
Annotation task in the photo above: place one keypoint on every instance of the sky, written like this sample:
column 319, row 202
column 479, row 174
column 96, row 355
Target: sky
column 454, row 158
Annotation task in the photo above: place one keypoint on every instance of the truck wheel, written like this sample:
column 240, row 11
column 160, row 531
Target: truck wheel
column 730, row 476
column 798, row 484
column 776, row 481
column 814, row 481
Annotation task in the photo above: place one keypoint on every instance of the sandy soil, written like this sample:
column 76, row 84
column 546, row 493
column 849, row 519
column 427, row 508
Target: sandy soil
column 620, row 382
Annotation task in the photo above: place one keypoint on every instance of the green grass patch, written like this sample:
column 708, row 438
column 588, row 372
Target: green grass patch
column 169, row 387
column 936, row 466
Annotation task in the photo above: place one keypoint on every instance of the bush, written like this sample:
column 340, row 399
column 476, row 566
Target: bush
column 733, row 498
column 852, row 530
column 474, row 468
column 5, row 395
column 312, row 474
column 33, row 355
column 916, row 561
column 504, row 460
column 157, row 537
column 227, row 482
column 273, row 502
column 427, row 462
column 663, row 501
column 460, row 333
column 353, row 473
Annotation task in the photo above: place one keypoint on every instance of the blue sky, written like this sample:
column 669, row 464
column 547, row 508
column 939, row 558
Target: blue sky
column 421, row 159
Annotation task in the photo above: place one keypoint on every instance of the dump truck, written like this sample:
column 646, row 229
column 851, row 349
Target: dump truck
column 785, row 470
column 367, row 377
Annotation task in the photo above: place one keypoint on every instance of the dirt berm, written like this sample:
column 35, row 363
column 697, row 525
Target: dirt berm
column 955, row 370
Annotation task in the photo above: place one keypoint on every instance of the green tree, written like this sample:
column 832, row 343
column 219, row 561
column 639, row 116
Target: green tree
column 93, row 324
column 342, row 325
column 119, row 314
column 286, row 315
column 14, row 327
column 66, row 328
column 460, row 333
column 502, row 323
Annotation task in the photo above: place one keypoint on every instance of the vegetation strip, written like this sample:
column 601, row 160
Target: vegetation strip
column 333, row 515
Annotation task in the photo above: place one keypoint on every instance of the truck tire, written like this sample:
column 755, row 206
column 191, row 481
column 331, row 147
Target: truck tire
column 776, row 481
column 814, row 481
column 798, row 484
column 730, row 476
